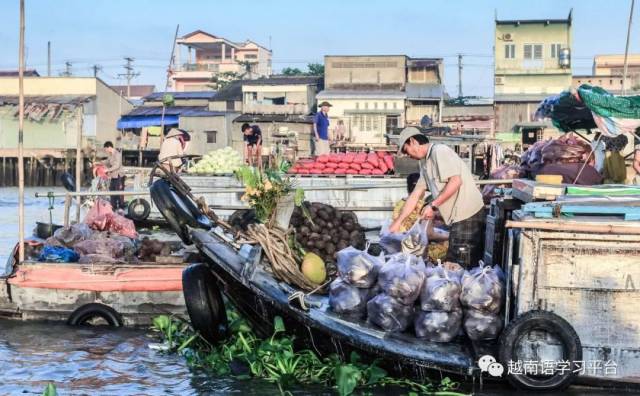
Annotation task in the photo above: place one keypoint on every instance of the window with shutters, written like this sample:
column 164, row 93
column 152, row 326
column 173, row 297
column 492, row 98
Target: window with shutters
column 537, row 51
column 528, row 51
column 509, row 51
column 555, row 50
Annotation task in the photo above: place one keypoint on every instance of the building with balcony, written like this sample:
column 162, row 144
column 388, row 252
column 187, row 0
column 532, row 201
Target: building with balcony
column 201, row 57
column 376, row 94
column 532, row 61
column 281, row 106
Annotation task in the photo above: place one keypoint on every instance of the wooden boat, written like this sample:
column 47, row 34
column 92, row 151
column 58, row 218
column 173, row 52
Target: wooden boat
column 116, row 294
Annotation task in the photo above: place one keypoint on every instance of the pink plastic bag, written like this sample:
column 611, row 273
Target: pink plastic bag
column 97, row 218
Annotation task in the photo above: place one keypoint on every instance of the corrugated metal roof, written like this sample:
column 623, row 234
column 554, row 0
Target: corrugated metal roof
column 328, row 94
column 183, row 95
column 275, row 118
column 424, row 91
column 424, row 62
column 464, row 111
column 48, row 99
column 520, row 97
column 190, row 111
column 14, row 73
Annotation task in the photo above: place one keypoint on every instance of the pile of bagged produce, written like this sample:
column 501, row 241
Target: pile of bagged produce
column 103, row 237
column 221, row 161
column 373, row 163
column 399, row 292
column 324, row 230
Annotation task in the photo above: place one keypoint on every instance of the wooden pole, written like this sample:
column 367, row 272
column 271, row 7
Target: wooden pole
column 21, row 137
column 166, row 85
column 626, row 51
column 67, row 205
column 79, row 161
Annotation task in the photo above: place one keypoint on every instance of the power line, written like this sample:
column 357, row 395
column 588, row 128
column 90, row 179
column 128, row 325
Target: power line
column 67, row 70
column 129, row 75
column 96, row 69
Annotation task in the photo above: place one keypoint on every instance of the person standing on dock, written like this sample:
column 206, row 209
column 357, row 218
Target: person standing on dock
column 453, row 192
column 321, row 129
column 252, row 136
column 173, row 145
column 115, row 174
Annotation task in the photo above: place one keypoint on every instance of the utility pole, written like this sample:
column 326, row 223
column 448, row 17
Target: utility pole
column 96, row 69
column 48, row 58
column 626, row 51
column 129, row 75
column 67, row 69
column 459, row 75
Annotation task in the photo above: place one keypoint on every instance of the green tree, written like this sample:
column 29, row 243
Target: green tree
column 292, row 71
column 315, row 69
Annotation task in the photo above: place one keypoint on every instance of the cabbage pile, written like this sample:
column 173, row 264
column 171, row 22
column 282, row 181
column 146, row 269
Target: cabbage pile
column 221, row 161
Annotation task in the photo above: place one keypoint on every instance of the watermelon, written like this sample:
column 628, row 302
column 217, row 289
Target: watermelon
column 367, row 165
column 372, row 159
column 360, row 158
column 388, row 160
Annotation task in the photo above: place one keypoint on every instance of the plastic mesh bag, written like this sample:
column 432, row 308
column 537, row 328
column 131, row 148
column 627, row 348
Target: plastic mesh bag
column 98, row 216
column 402, row 277
column 357, row 267
column 414, row 241
column 388, row 313
column 69, row 236
column 438, row 326
column 483, row 289
column 123, row 226
column 347, row 299
column 104, row 246
column 58, row 254
column 441, row 291
column 482, row 326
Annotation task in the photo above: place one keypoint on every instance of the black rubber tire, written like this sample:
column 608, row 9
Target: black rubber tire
column 204, row 303
column 138, row 209
column 81, row 315
column 552, row 323
column 68, row 182
column 179, row 211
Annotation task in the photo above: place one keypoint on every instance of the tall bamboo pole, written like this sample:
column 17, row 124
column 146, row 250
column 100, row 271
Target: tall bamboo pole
column 20, row 136
column 79, row 159
column 166, row 85
column 626, row 51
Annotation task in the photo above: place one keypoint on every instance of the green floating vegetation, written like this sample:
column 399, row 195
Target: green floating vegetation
column 50, row 390
column 244, row 355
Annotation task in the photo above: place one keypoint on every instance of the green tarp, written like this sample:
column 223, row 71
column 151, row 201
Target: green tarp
column 604, row 104
column 611, row 190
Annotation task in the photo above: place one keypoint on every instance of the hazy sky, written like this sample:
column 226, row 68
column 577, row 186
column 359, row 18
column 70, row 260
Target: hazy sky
column 88, row 32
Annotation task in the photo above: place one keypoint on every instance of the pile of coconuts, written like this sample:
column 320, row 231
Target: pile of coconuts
column 324, row 230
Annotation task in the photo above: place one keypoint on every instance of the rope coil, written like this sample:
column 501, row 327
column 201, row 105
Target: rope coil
column 275, row 245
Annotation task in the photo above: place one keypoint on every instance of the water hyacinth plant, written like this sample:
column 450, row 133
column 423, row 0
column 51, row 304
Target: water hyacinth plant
column 244, row 355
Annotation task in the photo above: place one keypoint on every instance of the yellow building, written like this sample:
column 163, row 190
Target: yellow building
column 608, row 70
column 54, row 108
column 532, row 61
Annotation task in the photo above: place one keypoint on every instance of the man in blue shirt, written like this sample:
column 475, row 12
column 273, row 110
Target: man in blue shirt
column 321, row 129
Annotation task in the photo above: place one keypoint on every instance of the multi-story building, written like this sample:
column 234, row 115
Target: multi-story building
column 608, row 71
column 532, row 61
column 376, row 94
column 209, row 57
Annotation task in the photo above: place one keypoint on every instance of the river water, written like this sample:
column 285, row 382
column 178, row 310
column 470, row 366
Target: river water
column 102, row 361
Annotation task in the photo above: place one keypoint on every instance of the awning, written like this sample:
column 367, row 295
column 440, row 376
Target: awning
column 127, row 122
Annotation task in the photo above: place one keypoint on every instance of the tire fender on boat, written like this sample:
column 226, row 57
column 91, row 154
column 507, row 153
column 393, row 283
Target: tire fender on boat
column 178, row 210
column 204, row 303
column 138, row 209
column 553, row 324
column 95, row 310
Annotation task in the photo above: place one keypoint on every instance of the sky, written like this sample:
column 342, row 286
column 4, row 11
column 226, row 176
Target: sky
column 102, row 32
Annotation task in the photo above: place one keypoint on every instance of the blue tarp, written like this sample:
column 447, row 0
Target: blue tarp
column 126, row 122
